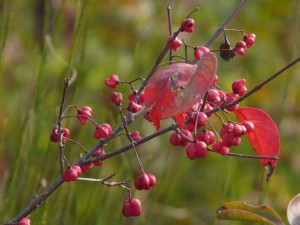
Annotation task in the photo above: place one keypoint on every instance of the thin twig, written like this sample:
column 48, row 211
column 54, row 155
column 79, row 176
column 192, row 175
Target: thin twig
column 36, row 202
column 158, row 61
column 247, row 156
column 137, row 143
column 76, row 143
column 104, row 181
column 62, row 157
column 222, row 27
column 170, row 29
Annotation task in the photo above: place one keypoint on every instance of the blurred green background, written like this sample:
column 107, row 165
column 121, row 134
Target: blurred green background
column 125, row 37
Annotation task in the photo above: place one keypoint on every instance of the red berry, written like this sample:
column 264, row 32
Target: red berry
column 87, row 108
column 116, row 98
column 84, row 114
column 240, row 48
column 249, row 40
column 65, row 132
column 228, row 140
column 215, row 80
column 135, row 136
column 241, row 51
column 222, row 95
column 134, row 107
column 70, row 174
column 188, row 25
column 142, row 182
column 207, row 137
column 241, row 44
column 131, row 97
column 183, row 141
column 126, row 210
column 140, row 99
column 191, row 151
column 189, row 126
column 24, row 221
column 78, row 170
column 175, row 139
column 252, row 36
column 198, row 52
column 239, row 87
column 237, row 141
column 197, row 149
column 136, row 208
column 238, row 130
column 227, row 128
column 248, row 125
column 231, row 97
column 54, row 137
column 176, row 44
column 112, row 81
column 208, row 107
column 86, row 167
column 152, row 180
column 131, row 207
column 202, row 119
column 97, row 153
column 220, row 148
column 102, row 131
column 214, row 97
column 201, row 149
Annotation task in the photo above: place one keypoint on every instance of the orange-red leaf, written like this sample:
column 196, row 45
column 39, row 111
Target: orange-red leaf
column 174, row 89
column 265, row 137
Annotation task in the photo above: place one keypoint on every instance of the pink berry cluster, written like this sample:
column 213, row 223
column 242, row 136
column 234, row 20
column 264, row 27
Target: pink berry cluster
column 132, row 207
column 187, row 25
column 54, row 137
column 134, row 105
column 231, row 136
column 145, row 181
column 73, row 172
column 247, row 42
column 102, row 130
column 84, row 114
column 195, row 134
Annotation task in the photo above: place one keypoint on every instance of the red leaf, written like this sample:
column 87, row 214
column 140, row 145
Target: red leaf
column 174, row 89
column 265, row 137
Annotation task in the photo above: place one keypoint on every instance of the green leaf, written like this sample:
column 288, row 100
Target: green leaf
column 241, row 211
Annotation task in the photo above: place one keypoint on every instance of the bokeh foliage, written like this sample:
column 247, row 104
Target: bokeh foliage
column 125, row 37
